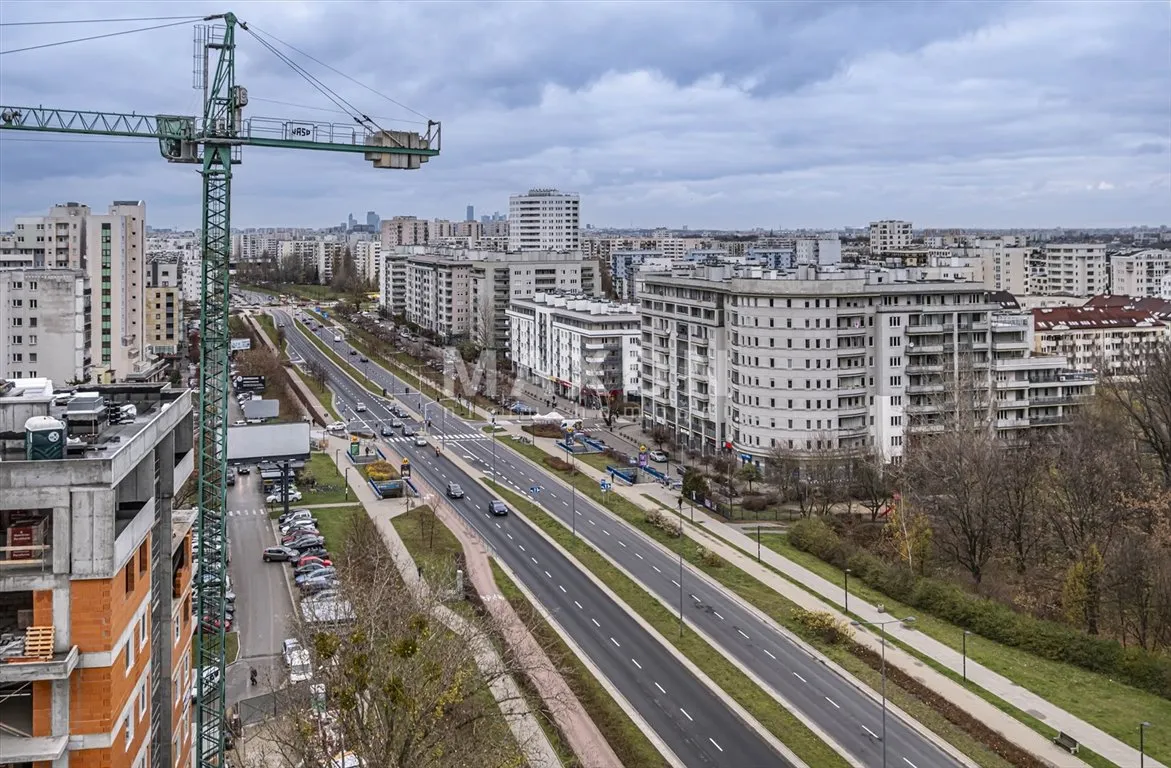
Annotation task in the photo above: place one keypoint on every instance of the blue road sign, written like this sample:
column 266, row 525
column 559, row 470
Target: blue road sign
column 605, row 484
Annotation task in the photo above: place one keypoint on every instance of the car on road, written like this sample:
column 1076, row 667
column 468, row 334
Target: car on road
column 244, row 470
column 306, row 559
column 279, row 498
column 360, row 407
column 420, row 441
column 408, row 430
column 279, row 554
column 320, row 573
column 497, row 507
column 337, row 428
column 454, row 491
column 353, row 351
column 363, row 359
column 387, row 430
column 658, row 455
column 396, row 423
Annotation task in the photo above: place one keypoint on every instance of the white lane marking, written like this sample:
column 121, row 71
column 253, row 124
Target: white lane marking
column 718, row 616
column 640, row 557
column 596, row 624
column 873, row 735
column 693, row 597
column 566, row 503
column 801, row 678
column 635, row 662
column 605, row 532
column 689, row 717
column 660, row 688
column 522, row 548
column 509, row 535
column 591, row 522
column 742, row 634
column 713, row 741
column 533, row 559
column 578, row 605
column 549, row 575
column 560, row 587
column 908, row 762
column 831, row 701
column 676, row 583
column 498, row 525
column 623, row 543
column 656, row 568
column 577, row 513
column 615, row 642
column 770, row 655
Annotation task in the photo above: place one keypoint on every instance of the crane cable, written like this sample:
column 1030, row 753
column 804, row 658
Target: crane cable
column 47, row 22
column 187, row 20
column 342, row 74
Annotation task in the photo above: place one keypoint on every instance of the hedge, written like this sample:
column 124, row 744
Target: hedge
column 987, row 618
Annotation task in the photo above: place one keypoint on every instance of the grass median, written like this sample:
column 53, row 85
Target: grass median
column 627, row 740
column 322, row 393
column 764, row 708
column 339, row 360
column 768, row 601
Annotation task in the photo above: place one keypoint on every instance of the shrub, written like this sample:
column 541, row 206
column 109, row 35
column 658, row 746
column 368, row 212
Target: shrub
column 665, row 523
column 987, row 618
column 709, row 558
column 822, row 625
column 381, row 471
column 543, row 430
column 559, row 464
column 756, row 503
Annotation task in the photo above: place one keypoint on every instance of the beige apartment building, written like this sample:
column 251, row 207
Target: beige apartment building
column 889, row 235
column 47, row 326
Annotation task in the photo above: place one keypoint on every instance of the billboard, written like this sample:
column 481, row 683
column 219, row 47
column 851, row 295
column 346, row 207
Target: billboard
column 250, row 382
column 241, row 344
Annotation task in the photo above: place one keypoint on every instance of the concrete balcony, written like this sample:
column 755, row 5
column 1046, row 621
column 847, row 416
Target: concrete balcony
column 59, row 667
column 925, row 349
column 925, row 368
column 926, row 328
column 27, row 749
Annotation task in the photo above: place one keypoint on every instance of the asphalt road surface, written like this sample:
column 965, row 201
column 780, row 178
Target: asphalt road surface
column 693, row 721
column 853, row 719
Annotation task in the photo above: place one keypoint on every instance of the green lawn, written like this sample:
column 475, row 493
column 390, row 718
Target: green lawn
column 780, row 722
column 763, row 598
column 627, row 740
column 330, row 485
column 430, row 542
column 1115, row 708
column 323, row 393
column 231, row 648
column 269, row 328
column 334, row 524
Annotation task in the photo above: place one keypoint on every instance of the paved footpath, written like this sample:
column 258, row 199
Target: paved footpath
column 539, row 753
column 740, row 550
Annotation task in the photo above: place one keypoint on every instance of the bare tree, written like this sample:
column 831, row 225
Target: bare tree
column 1143, row 393
column 394, row 686
column 874, row 482
column 1021, row 501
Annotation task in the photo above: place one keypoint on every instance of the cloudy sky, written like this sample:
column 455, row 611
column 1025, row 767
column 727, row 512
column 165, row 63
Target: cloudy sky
column 711, row 115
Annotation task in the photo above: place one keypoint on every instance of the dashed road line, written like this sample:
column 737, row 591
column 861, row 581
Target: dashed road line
column 640, row 557
column 689, row 717
column 873, row 735
column 596, row 624
column 578, row 605
column 635, row 662
column 551, row 576
column 770, row 655
column 800, row 678
column 713, row 741
column 660, row 689
column 718, row 616
column 615, row 642
column 742, row 633
column 831, row 701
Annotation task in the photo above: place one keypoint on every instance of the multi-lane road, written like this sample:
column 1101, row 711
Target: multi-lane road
column 691, row 720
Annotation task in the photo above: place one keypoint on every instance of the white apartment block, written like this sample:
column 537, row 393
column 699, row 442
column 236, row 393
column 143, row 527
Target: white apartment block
column 818, row 252
column 544, row 220
column 45, row 314
column 889, row 235
column 1140, row 274
column 623, row 265
column 317, row 256
column 367, row 259
column 405, row 230
column 844, row 359
column 1069, row 269
column 392, row 281
column 438, row 295
column 576, row 347
column 1108, row 340
column 255, row 247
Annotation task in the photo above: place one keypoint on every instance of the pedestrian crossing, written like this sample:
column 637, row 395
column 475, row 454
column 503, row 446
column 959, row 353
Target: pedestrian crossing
column 448, row 438
column 247, row 512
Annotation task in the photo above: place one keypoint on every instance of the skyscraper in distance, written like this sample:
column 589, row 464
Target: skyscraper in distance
column 471, row 213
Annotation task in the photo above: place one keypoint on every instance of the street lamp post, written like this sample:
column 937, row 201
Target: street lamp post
column 1142, row 752
column 680, row 593
column 881, row 625
column 965, row 654
column 493, row 447
column 572, row 487
column 347, row 483
column 846, row 589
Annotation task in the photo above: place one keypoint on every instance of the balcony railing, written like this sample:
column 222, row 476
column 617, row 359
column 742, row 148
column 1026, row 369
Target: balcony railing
column 24, row 558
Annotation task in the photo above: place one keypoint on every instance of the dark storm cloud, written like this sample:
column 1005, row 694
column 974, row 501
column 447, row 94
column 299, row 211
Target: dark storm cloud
column 707, row 114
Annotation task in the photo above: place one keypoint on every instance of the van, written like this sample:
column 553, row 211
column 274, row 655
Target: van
column 574, row 424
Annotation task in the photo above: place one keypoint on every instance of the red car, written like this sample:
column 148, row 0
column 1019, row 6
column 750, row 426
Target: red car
column 211, row 624
column 313, row 559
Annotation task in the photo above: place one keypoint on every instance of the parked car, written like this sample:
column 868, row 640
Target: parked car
column 305, row 543
column 323, row 596
column 337, row 428
column 353, row 351
column 363, row 359
column 320, row 584
column 316, row 551
column 658, row 455
column 308, row 568
column 496, row 507
column 306, row 559
column 230, row 476
column 294, row 525
column 322, row 573
column 279, row 554
column 287, row 539
column 279, row 497
column 454, row 491
column 296, row 514
column 209, row 676
column 212, row 623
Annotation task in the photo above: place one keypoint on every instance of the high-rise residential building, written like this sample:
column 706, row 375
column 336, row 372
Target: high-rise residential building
column 471, row 213
column 889, row 235
column 405, row 230
column 1069, row 269
column 818, row 252
column 254, row 247
column 544, row 220
column 111, row 249
column 45, row 314
column 844, row 359
column 438, row 295
column 367, row 259
column 96, row 594
column 576, row 347
column 1140, row 274
column 165, row 331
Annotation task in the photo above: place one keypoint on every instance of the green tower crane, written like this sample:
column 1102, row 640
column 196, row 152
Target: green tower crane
column 212, row 142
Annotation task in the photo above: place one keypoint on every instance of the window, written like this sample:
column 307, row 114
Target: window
column 17, row 322
column 896, row 421
column 896, row 381
column 129, row 725
column 141, row 700
column 142, row 632
column 32, row 357
column 143, row 556
column 130, row 577
column 32, row 322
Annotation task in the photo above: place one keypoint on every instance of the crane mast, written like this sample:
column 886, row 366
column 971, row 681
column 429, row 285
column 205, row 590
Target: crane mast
column 213, row 141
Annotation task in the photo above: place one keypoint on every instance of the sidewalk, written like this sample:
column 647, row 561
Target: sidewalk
column 734, row 547
column 539, row 753
column 586, row 741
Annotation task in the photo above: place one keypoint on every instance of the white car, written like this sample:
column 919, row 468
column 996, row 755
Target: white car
column 338, row 427
column 360, row 407
column 420, row 440
column 658, row 456
column 288, row 648
column 210, row 677
column 279, row 498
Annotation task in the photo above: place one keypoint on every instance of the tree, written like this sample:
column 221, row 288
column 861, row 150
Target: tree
column 1143, row 392
column 873, row 482
column 401, row 689
column 1020, row 500
column 611, row 409
column 660, row 435
column 749, row 473
column 695, row 484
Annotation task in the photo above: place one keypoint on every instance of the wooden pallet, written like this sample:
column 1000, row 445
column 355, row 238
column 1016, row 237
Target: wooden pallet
column 38, row 643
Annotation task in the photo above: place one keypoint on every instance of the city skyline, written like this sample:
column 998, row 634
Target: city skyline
column 965, row 115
